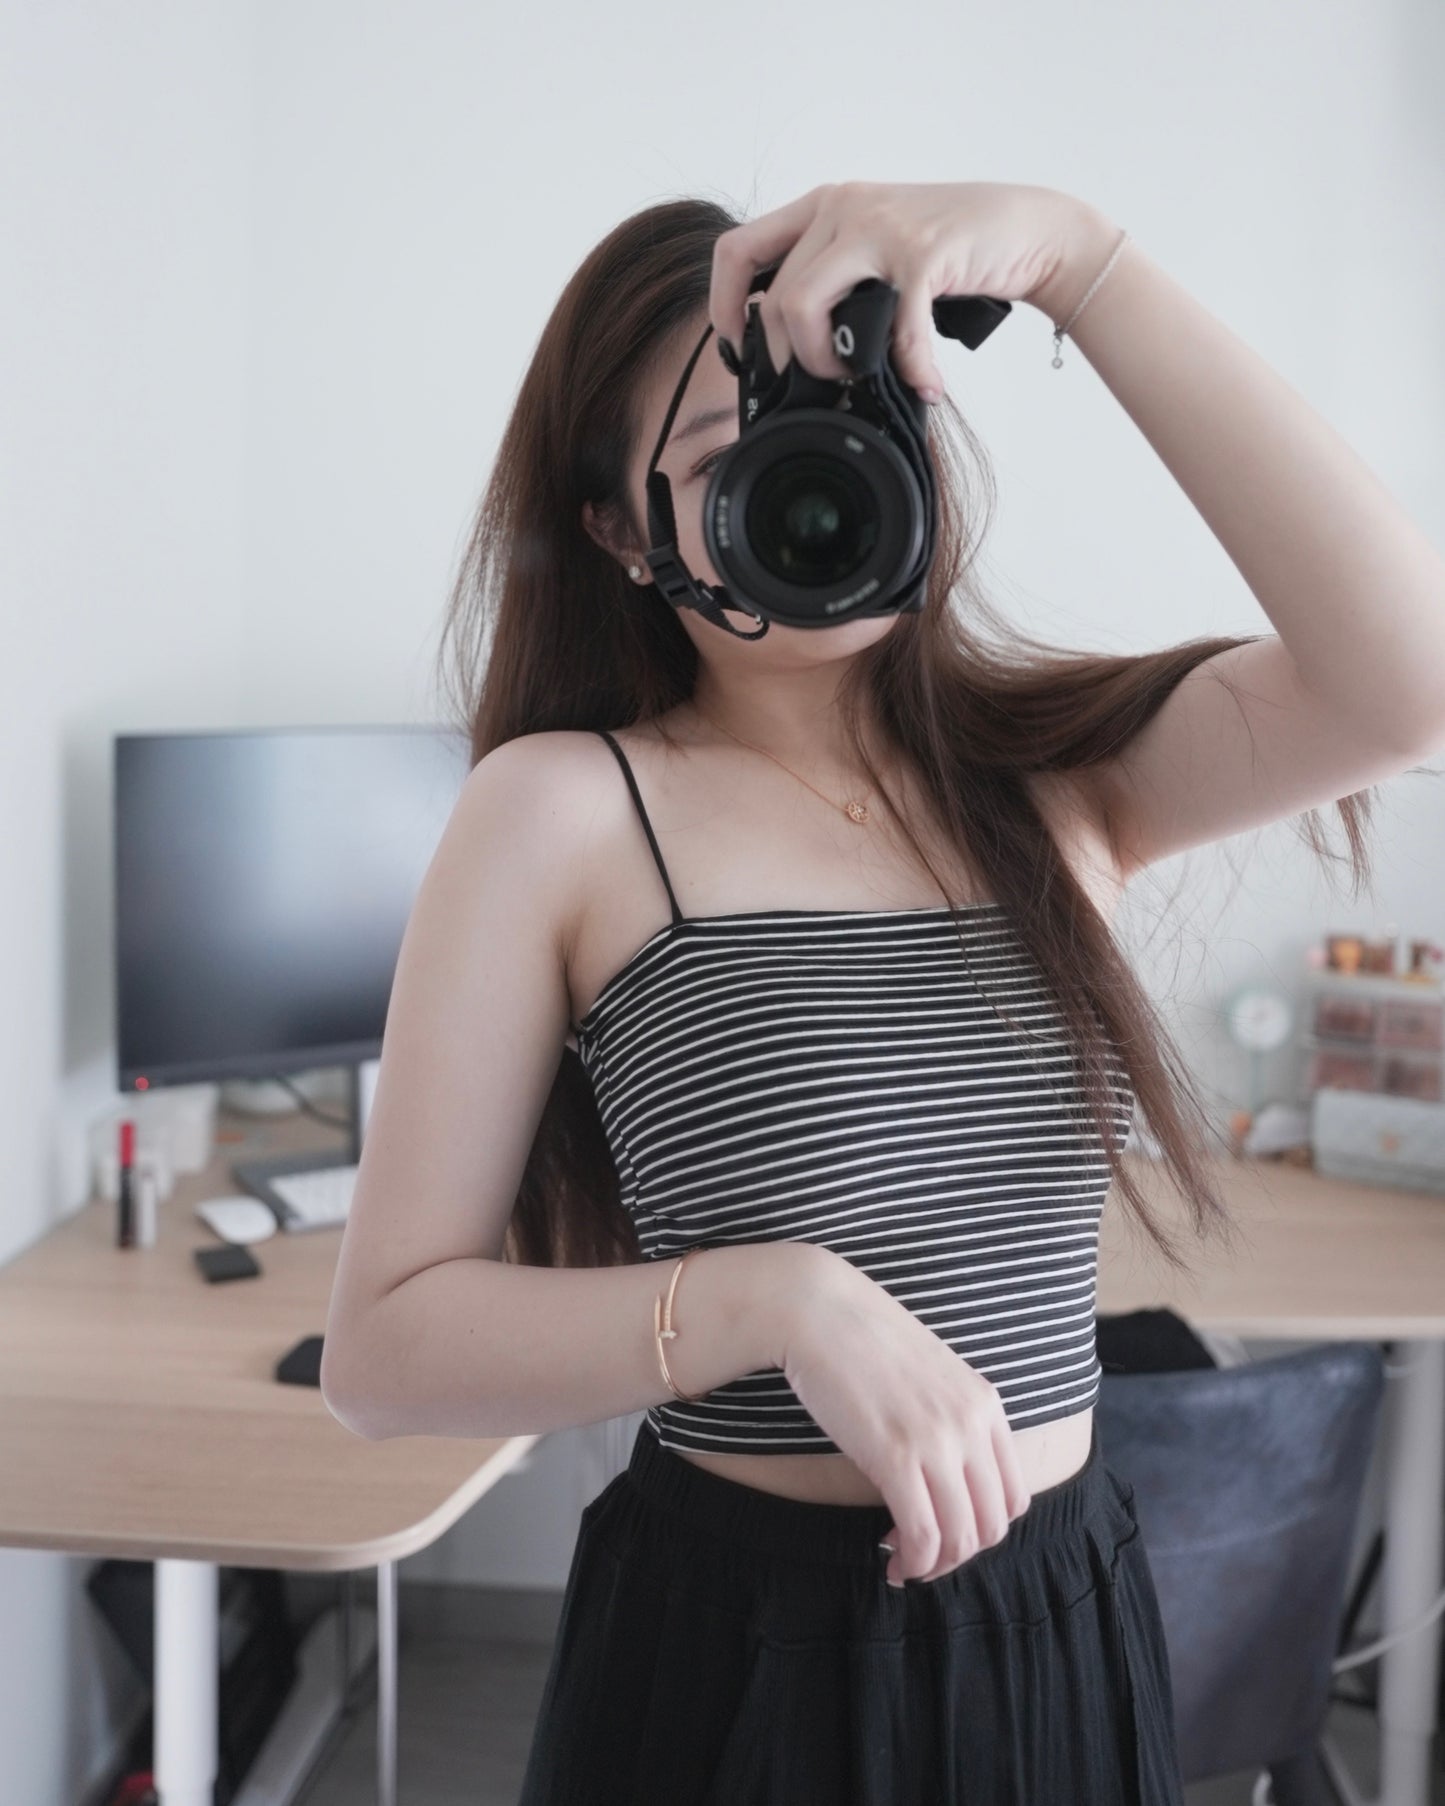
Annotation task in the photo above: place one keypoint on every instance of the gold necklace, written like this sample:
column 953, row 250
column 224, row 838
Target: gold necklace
column 855, row 810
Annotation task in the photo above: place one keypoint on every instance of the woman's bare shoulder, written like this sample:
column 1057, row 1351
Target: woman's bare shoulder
column 532, row 762
column 554, row 790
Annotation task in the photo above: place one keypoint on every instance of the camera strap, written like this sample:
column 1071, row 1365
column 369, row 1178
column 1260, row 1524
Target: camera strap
column 670, row 574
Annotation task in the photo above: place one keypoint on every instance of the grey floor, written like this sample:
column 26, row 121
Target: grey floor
column 468, row 1702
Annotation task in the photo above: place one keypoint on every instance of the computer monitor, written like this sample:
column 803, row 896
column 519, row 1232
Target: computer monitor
column 263, row 881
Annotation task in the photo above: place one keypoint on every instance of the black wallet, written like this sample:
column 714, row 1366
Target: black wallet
column 301, row 1365
column 229, row 1262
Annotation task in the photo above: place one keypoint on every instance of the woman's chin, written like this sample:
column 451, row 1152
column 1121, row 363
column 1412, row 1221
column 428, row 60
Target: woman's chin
column 839, row 636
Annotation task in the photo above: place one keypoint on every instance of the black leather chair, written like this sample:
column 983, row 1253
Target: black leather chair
column 1247, row 1484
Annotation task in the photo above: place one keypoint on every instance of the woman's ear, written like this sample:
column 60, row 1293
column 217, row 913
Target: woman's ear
column 592, row 521
column 626, row 556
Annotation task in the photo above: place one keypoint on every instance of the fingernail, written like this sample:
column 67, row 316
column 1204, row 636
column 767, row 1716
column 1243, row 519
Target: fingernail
column 897, row 1585
column 933, row 396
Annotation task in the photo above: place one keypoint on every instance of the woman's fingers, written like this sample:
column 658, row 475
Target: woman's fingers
column 986, row 1488
column 970, row 1506
column 841, row 264
column 915, row 1528
column 954, row 1514
column 1015, row 1488
column 915, row 337
column 742, row 251
column 816, row 269
column 788, row 310
column 967, row 1509
column 807, row 295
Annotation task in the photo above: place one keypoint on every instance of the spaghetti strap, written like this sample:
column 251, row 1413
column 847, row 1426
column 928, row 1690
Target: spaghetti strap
column 677, row 914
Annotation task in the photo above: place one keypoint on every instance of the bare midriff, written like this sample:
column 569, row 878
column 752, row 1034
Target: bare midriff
column 1048, row 1454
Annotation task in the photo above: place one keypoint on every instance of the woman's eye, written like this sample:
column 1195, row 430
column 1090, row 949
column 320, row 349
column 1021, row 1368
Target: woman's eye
column 707, row 465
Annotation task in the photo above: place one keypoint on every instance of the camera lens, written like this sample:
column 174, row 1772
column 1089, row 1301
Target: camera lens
column 812, row 520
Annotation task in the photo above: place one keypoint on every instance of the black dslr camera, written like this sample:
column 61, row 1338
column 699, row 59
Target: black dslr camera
column 826, row 508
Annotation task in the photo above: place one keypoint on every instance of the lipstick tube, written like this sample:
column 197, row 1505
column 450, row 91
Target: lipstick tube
column 125, row 1226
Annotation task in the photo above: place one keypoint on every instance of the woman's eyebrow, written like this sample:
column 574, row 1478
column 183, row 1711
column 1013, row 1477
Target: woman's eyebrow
column 701, row 422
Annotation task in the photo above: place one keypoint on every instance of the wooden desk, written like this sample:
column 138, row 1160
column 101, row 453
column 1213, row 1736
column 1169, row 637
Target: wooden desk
column 139, row 1417
column 1321, row 1259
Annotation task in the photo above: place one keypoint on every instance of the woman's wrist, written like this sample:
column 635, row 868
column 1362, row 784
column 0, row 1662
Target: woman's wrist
column 796, row 1279
column 1087, row 239
column 736, row 1307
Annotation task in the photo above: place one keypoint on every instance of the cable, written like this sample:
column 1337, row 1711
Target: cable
column 1371, row 1650
column 332, row 1122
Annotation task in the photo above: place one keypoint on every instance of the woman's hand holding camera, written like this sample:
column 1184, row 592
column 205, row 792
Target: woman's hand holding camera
column 1011, row 241
column 927, row 1429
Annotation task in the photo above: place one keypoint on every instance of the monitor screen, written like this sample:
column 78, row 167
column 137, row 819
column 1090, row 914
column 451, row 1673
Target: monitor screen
column 263, row 881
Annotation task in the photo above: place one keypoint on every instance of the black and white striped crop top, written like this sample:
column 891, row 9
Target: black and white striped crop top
column 838, row 1076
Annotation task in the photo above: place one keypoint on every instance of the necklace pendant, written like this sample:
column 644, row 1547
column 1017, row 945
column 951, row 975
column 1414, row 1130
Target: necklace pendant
column 857, row 812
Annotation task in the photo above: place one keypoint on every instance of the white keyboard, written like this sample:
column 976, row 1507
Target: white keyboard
column 315, row 1199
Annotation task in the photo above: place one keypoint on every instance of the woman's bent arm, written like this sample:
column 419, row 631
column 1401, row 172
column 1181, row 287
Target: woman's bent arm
column 429, row 1332
column 477, row 1347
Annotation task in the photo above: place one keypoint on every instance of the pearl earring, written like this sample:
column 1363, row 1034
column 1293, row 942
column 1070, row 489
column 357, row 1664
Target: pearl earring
column 634, row 570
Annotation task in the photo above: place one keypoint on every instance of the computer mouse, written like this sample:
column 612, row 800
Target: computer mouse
column 238, row 1219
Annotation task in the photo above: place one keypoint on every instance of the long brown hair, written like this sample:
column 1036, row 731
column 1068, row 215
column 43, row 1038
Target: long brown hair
column 546, row 631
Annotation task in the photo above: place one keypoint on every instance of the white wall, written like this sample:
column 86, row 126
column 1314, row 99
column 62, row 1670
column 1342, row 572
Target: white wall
column 274, row 273
column 125, row 171
column 427, row 179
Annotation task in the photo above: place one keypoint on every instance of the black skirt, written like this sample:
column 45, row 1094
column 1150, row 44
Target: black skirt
column 723, row 1646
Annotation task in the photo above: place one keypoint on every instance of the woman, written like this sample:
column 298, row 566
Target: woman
column 791, row 957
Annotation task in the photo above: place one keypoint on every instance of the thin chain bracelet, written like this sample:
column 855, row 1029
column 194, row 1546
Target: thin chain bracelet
column 1059, row 331
column 662, row 1326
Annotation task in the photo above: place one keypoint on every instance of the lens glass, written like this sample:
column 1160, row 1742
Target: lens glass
column 812, row 520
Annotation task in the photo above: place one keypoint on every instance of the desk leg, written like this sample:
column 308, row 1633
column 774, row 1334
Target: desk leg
column 187, row 1681
column 1410, row 1582
column 344, row 1635
column 386, row 1683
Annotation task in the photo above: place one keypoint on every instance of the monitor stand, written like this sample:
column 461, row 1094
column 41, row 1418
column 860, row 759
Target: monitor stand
column 255, row 1175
